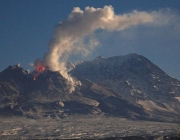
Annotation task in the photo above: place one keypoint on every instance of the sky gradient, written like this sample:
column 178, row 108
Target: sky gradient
column 26, row 28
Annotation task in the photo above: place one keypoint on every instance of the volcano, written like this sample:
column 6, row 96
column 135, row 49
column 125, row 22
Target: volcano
column 129, row 86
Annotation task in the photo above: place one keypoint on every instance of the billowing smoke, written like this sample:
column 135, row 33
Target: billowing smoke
column 75, row 34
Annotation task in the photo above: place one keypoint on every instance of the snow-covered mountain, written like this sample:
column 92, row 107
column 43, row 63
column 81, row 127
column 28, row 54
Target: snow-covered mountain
column 136, row 79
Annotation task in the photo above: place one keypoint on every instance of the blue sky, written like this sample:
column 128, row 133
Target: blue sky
column 26, row 27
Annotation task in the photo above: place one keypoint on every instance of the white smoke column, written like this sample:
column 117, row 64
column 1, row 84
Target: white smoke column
column 73, row 35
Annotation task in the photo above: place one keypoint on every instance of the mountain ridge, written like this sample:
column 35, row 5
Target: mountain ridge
column 136, row 79
column 127, row 86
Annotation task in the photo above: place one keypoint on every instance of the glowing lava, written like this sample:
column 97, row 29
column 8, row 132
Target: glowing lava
column 38, row 70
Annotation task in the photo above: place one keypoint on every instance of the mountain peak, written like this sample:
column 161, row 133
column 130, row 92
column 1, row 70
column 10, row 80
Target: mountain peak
column 13, row 72
column 99, row 57
column 16, row 68
column 124, row 58
column 129, row 71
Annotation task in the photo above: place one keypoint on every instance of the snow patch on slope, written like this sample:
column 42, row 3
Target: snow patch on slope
column 178, row 98
column 150, row 106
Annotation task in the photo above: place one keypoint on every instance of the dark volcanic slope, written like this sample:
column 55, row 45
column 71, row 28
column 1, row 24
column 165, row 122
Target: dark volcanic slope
column 48, row 96
column 18, row 88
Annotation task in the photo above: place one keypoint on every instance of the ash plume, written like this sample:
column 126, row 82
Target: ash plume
column 75, row 34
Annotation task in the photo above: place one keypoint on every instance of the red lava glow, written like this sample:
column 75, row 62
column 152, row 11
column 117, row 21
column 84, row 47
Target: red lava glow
column 39, row 69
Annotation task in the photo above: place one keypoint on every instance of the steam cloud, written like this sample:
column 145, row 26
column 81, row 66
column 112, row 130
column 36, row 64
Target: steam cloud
column 75, row 34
